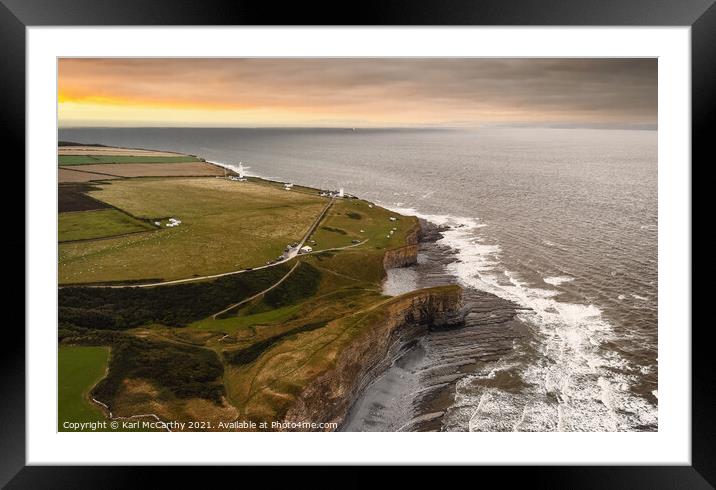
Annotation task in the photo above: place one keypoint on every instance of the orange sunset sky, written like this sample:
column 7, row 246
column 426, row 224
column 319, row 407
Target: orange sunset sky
column 357, row 92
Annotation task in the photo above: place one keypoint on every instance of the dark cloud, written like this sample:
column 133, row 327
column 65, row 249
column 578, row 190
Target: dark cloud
column 424, row 90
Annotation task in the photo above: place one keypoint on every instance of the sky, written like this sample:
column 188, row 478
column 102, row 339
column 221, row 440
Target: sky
column 356, row 92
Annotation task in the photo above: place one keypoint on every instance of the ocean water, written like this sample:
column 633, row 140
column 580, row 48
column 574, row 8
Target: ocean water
column 562, row 222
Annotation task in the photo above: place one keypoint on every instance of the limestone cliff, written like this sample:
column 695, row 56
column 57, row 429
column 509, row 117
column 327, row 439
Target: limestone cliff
column 328, row 397
column 405, row 255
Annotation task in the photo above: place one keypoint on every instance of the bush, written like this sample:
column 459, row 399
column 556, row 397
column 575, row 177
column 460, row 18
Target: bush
column 301, row 284
column 187, row 372
column 176, row 305
column 334, row 230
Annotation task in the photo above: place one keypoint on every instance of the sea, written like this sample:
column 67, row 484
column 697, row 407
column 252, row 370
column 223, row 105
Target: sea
column 560, row 223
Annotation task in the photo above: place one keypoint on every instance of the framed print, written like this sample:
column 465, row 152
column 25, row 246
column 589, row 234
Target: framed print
column 291, row 238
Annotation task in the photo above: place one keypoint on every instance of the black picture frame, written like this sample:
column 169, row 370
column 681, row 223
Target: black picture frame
column 700, row 15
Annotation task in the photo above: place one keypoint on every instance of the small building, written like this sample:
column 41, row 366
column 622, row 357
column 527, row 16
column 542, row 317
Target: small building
column 306, row 249
column 340, row 192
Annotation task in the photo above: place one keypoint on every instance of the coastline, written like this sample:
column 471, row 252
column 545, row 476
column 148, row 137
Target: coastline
column 490, row 369
column 412, row 315
column 399, row 342
column 374, row 342
column 415, row 391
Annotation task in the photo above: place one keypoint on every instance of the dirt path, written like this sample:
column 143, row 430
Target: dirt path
column 140, row 416
column 231, row 307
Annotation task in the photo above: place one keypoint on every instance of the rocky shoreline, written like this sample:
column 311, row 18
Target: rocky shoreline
column 415, row 390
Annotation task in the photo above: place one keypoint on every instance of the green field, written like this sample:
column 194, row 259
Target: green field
column 226, row 226
column 344, row 222
column 85, row 225
column 79, row 369
column 233, row 323
column 67, row 160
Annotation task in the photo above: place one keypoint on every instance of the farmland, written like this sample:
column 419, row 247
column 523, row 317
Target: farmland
column 73, row 197
column 225, row 226
column 79, row 369
column 190, row 169
column 101, row 223
column 75, row 149
column 68, row 175
column 109, row 171
column 116, row 159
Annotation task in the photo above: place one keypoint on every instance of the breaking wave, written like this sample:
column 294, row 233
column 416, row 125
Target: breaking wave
column 570, row 379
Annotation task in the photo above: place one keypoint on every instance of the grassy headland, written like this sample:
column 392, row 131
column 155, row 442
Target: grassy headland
column 178, row 352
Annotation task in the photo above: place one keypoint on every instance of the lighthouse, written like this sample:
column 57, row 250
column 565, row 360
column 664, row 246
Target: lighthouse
column 340, row 192
column 240, row 171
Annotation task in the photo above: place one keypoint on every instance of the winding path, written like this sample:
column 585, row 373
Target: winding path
column 231, row 307
column 140, row 416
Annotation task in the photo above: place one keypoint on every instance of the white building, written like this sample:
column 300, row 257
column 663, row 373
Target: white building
column 340, row 192
column 306, row 249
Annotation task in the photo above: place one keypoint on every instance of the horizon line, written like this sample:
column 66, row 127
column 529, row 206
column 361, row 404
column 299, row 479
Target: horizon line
column 627, row 126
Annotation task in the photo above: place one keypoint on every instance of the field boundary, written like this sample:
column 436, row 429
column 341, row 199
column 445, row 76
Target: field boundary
column 87, row 171
column 80, row 240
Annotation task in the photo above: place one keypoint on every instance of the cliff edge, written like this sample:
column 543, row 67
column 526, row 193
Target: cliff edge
column 375, row 340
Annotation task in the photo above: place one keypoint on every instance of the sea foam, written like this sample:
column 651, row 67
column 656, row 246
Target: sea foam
column 571, row 381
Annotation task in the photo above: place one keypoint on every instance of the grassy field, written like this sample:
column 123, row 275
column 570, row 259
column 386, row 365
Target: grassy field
column 225, row 226
column 354, row 219
column 80, row 368
column 95, row 159
column 100, row 223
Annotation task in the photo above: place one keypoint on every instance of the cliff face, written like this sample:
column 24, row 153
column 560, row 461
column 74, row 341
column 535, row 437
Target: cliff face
column 397, row 321
column 406, row 255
